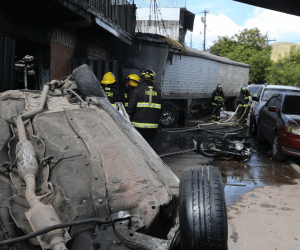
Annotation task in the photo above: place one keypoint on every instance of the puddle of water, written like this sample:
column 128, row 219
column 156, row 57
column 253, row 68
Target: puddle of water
column 260, row 171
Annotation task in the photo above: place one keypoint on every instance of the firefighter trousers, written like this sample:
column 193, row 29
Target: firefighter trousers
column 240, row 113
column 216, row 114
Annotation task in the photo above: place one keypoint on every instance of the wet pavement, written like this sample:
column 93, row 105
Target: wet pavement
column 238, row 178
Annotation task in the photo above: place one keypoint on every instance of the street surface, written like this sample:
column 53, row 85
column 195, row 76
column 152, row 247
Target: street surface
column 262, row 195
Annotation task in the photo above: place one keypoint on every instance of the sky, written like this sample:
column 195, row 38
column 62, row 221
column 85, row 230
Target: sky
column 228, row 17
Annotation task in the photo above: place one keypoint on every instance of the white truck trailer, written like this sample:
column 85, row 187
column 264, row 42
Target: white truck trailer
column 186, row 76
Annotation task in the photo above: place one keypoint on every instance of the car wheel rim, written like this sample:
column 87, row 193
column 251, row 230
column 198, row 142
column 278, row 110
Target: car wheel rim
column 168, row 116
column 275, row 145
column 209, row 144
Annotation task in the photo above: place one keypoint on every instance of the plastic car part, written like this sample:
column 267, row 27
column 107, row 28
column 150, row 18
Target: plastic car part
column 202, row 209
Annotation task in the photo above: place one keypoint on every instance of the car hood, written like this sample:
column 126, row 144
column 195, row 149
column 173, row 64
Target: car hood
column 296, row 118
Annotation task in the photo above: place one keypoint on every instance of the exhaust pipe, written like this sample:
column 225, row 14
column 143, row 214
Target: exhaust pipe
column 39, row 215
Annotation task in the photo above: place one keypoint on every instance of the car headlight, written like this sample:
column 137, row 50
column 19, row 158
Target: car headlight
column 293, row 129
column 239, row 146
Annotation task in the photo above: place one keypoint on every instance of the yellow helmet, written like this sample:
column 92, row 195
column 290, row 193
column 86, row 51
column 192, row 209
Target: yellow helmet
column 134, row 80
column 108, row 78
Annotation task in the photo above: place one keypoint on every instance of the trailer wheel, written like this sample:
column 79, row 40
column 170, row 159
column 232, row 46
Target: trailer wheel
column 170, row 114
column 202, row 209
column 87, row 83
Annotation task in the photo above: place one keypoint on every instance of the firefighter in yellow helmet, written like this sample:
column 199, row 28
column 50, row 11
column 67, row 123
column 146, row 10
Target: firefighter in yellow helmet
column 131, row 82
column 109, row 85
column 144, row 106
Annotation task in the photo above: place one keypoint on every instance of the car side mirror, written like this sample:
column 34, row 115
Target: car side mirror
column 273, row 109
column 255, row 98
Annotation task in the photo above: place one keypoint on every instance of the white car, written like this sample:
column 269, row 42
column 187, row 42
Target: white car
column 264, row 93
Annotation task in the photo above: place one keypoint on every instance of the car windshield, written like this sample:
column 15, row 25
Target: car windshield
column 254, row 89
column 270, row 92
column 290, row 106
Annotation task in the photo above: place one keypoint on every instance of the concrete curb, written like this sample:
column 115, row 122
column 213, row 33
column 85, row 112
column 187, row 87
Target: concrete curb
column 294, row 165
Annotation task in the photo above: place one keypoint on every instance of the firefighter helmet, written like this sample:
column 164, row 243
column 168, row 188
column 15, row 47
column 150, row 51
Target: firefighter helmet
column 133, row 79
column 148, row 74
column 219, row 87
column 245, row 88
column 108, row 78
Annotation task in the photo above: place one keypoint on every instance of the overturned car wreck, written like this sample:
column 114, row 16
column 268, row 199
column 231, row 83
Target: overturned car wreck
column 75, row 174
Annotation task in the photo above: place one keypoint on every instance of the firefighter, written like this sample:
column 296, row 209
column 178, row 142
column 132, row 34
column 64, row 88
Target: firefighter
column 109, row 85
column 131, row 82
column 217, row 101
column 144, row 106
column 243, row 105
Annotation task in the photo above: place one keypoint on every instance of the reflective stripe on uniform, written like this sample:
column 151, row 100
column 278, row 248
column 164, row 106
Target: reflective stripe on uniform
column 218, row 97
column 144, row 125
column 106, row 88
column 148, row 105
column 115, row 106
column 247, row 97
column 126, row 104
column 241, row 105
column 213, row 103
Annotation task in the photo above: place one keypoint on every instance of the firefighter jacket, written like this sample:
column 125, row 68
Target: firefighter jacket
column 112, row 93
column 243, row 99
column 217, row 98
column 127, row 92
column 144, row 106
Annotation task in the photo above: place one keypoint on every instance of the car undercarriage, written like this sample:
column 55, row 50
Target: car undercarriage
column 75, row 174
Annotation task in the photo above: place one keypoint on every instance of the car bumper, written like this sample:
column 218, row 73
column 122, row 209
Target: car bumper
column 290, row 144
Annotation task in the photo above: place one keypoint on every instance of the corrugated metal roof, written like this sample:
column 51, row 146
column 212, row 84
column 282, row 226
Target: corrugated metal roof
column 202, row 54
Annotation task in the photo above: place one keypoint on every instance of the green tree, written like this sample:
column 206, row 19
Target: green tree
column 249, row 46
column 286, row 70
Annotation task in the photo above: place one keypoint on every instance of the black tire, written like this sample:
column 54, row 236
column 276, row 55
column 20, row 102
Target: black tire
column 170, row 114
column 259, row 136
column 276, row 154
column 204, row 143
column 202, row 209
column 87, row 83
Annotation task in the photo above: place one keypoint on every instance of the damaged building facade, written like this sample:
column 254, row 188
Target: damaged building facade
column 62, row 34
column 169, row 22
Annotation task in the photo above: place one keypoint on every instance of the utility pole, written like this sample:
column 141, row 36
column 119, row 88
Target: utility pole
column 268, row 40
column 203, row 20
column 191, row 41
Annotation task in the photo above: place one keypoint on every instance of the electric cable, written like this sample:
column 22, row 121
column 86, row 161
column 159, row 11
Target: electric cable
column 106, row 220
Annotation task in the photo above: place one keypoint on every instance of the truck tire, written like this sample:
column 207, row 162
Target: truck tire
column 170, row 114
column 202, row 209
column 87, row 83
column 276, row 154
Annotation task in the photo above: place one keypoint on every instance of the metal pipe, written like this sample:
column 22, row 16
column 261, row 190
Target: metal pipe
column 39, row 215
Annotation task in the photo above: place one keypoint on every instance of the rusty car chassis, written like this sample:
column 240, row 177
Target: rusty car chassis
column 75, row 174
